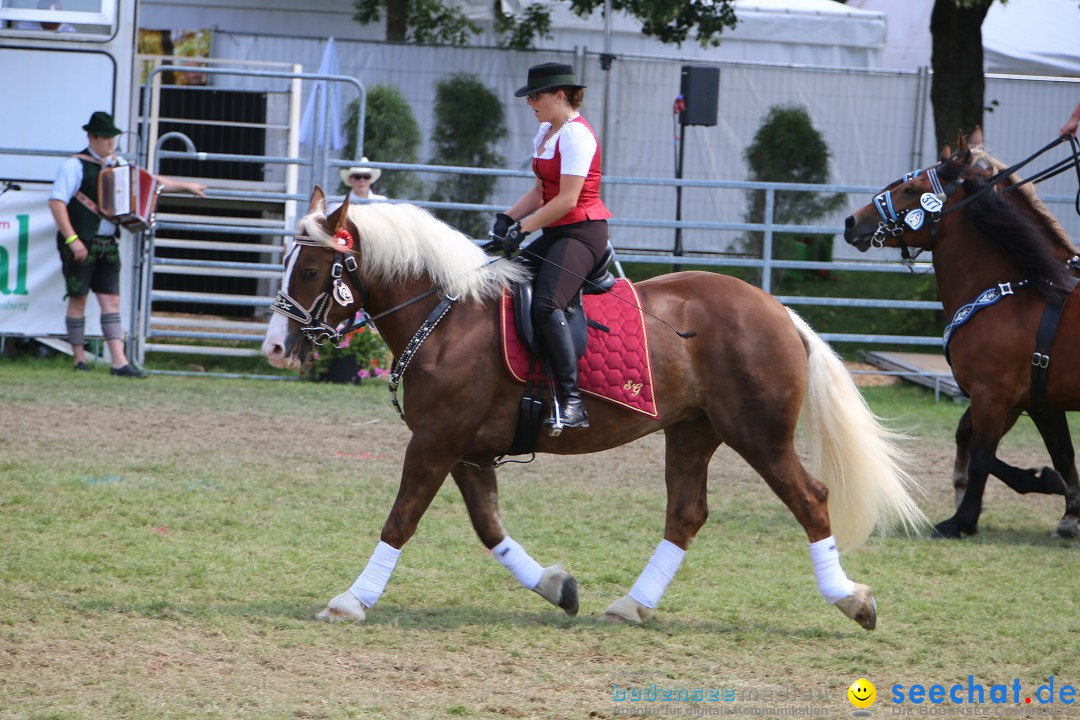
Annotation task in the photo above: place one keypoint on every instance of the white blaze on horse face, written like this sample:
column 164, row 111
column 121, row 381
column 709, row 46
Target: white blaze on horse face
column 277, row 333
column 273, row 346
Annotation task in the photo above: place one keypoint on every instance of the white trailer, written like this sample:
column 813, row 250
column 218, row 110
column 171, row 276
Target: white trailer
column 60, row 60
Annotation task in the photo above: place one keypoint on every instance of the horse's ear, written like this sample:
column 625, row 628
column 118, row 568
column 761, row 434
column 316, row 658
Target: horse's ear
column 946, row 152
column 976, row 138
column 961, row 143
column 318, row 200
column 343, row 213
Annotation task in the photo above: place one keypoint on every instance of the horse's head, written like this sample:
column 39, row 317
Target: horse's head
column 320, row 288
column 907, row 212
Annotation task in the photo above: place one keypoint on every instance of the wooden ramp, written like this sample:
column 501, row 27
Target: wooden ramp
column 928, row 369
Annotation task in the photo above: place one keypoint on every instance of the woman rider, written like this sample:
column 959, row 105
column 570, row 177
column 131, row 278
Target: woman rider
column 565, row 203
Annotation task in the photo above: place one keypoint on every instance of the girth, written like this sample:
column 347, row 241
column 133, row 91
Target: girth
column 1044, row 340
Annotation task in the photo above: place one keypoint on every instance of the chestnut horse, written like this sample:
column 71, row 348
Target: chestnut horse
column 741, row 377
column 999, row 260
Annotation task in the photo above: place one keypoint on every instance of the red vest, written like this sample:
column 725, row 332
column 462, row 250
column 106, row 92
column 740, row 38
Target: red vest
column 589, row 205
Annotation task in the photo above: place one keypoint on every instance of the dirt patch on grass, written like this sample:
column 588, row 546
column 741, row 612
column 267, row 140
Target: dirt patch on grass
column 866, row 375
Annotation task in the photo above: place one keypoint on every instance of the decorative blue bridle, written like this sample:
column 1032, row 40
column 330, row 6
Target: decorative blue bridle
column 895, row 223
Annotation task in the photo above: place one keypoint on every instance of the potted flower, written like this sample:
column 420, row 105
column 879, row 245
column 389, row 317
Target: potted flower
column 360, row 354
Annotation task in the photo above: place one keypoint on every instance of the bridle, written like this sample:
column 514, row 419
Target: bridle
column 895, row 223
column 313, row 319
column 932, row 205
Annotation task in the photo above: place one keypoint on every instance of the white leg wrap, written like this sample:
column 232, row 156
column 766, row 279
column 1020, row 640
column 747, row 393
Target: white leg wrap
column 520, row 564
column 371, row 583
column 654, row 579
column 832, row 582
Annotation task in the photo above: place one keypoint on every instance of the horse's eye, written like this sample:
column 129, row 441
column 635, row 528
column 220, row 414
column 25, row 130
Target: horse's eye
column 910, row 191
column 310, row 273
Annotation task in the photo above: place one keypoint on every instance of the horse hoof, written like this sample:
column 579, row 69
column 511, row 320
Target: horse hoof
column 1067, row 528
column 627, row 609
column 559, row 588
column 950, row 529
column 345, row 607
column 860, row 606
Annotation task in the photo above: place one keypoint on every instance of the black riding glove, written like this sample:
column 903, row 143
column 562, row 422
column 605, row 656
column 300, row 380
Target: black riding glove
column 501, row 226
column 513, row 239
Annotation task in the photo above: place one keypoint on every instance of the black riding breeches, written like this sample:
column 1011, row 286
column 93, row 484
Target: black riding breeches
column 569, row 253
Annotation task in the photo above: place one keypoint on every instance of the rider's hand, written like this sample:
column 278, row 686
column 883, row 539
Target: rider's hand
column 501, row 226
column 513, row 239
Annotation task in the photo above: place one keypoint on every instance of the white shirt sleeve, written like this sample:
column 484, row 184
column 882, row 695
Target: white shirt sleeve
column 68, row 180
column 577, row 147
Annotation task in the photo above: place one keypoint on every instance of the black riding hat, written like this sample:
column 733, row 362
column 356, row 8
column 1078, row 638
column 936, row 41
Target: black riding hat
column 547, row 76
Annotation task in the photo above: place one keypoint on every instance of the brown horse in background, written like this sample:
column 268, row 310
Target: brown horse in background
column 998, row 262
column 740, row 376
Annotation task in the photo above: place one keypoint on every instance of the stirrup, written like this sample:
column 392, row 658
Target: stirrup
column 559, row 420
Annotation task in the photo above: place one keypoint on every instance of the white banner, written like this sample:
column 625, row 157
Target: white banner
column 31, row 284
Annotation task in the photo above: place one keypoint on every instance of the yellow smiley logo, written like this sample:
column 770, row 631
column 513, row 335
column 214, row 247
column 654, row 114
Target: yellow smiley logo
column 862, row 693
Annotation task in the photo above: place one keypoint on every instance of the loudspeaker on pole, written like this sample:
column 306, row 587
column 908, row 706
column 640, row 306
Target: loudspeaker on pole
column 700, row 89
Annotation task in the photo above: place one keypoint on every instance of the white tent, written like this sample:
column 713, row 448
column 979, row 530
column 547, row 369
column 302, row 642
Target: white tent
column 806, row 32
column 1020, row 37
column 1033, row 37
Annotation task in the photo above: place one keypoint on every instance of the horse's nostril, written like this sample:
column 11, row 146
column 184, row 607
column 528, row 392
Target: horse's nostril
column 850, row 222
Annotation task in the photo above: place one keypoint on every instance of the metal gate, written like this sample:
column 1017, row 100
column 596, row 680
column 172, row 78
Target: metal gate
column 206, row 275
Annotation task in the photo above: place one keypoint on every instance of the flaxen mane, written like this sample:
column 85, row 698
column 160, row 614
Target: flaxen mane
column 399, row 242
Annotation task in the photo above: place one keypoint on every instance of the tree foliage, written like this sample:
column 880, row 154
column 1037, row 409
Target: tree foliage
column 787, row 148
column 419, row 21
column 519, row 31
column 437, row 21
column 470, row 120
column 670, row 21
column 391, row 134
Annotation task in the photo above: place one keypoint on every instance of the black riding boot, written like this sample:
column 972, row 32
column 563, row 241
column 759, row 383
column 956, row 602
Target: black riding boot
column 563, row 358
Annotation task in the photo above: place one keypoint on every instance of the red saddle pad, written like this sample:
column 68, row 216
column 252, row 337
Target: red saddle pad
column 616, row 365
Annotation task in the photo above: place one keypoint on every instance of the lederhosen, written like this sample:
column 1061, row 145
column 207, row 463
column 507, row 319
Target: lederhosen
column 100, row 271
column 576, row 241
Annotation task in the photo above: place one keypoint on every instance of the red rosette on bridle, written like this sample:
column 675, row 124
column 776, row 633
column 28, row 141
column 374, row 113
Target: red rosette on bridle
column 343, row 241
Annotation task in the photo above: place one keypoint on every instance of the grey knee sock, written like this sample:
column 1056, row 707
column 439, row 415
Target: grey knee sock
column 76, row 331
column 111, row 327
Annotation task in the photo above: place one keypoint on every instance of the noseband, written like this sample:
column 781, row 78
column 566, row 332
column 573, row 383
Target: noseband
column 314, row 318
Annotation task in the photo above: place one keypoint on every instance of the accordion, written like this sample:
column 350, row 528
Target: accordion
column 128, row 195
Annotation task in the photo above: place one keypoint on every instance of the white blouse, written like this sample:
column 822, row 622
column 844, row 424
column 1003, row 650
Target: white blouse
column 577, row 146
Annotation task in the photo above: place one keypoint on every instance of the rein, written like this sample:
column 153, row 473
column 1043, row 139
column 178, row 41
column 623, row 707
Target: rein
column 318, row 331
column 932, row 205
column 1037, row 177
column 1073, row 161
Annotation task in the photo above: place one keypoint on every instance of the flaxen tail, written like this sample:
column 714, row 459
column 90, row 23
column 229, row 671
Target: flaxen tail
column 852, row 453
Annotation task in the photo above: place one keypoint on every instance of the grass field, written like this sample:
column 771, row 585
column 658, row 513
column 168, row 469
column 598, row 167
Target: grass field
column 164, row 545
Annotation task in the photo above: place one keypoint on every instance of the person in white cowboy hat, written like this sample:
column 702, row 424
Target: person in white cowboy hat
column 360, row 179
